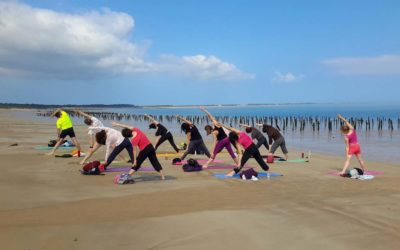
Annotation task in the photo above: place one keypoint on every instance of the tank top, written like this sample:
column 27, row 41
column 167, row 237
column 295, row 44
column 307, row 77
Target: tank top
column 245, row 140
column 352, row 137
column 221, row 133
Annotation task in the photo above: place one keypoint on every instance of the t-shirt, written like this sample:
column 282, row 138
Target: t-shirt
column 64, row 122
column 256, row 134
column 114, row 138
column 245, row 140
column 194, row 133
column 96, row 123
column 273, row 134
column 140, row 140
column 161, row 130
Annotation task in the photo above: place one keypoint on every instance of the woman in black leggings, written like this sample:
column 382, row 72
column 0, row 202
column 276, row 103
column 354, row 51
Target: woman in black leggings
column 162, row 134
column 238, row 138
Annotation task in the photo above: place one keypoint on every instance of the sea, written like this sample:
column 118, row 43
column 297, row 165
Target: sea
column 377, row 145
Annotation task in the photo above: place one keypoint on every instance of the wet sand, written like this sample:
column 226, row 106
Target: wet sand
column 47, row 204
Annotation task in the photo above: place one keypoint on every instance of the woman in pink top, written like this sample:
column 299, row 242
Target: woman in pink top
column 352, row 146
column 146, row 149
column 238, row 138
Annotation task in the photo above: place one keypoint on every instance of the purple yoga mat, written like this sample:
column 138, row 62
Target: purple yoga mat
column 126, row 169
column 335, row 173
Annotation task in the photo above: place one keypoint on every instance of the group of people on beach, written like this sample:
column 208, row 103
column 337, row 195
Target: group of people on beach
column 139, row 147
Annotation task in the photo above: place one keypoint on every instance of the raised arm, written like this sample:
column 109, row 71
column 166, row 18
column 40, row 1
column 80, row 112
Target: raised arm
column 82, row 113
column 212, row 118
column 237, row 131
column 55, row 111
column 183, row 119
column 244, row 125
column 116, row 124
column 151, row 119
column 345, row 121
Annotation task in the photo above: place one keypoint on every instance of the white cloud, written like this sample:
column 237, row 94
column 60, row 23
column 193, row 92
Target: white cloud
column 45, row 43
column 286, row 78
column 379, row 65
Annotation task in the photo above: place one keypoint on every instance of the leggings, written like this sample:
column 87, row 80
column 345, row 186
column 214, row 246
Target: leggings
column 280, row 142
column 252, row 150
column 224, row 143
column 125, row 144
column 148, row 152
column 196, row 145
column 167, row 136
column 262, row 141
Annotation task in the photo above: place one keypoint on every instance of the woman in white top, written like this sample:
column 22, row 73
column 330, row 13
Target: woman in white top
column 92, row 122
column 115, row 143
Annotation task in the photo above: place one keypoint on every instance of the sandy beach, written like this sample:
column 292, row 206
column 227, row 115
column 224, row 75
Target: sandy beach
column 47, row 204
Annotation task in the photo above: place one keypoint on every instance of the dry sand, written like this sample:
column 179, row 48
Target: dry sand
column 47, row 204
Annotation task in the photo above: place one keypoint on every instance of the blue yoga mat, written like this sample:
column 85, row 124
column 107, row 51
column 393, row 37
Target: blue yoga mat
column 50, row 148
column 237, row 176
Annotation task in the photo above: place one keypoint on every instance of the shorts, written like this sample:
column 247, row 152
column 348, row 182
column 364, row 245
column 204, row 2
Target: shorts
column 354, row 149
column 67, row 132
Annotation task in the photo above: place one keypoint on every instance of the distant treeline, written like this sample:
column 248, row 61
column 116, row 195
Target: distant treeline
column 52, row 106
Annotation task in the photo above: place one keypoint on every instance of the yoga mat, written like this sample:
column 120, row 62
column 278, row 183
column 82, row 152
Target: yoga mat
column 300, row 160
column 237, row 176
column 167, row 154
column 199, row 161
column 126, row 169
column 50, row 148
column 335, row 173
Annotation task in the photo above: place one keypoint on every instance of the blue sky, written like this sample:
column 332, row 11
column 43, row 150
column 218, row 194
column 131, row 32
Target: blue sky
column 199, row 52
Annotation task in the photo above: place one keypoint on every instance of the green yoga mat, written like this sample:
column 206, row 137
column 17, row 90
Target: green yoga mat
column 300, row 160
column 50, row 148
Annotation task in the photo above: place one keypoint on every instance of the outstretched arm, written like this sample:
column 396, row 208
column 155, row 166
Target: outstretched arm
column 116, row 124
column 345, row 121
column 151, row 119
column 244, row 125
column 82, row 113
column 212, row 118
column 237, row 131
column 184, row 120
column 96, row 146
column 55, row 111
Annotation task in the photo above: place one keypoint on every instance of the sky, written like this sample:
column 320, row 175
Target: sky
column 199, row 52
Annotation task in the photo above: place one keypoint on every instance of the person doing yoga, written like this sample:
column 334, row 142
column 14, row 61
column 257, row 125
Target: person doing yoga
column 256, row 134
column 64, row 129
column 162, row 133
column 221, row 140
column 275, row 139
column 195, row 141
column 93, row 122
column 114, row 142
column 146, row 149
column 352, row 146
column 239, row 138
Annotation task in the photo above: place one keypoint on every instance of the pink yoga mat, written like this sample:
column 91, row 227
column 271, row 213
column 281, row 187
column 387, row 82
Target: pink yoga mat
column 335, row 173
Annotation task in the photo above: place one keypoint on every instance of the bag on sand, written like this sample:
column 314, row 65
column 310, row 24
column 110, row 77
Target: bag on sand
column 123, row 179
column 192, row 166
column 248, row 174
column 92, row 168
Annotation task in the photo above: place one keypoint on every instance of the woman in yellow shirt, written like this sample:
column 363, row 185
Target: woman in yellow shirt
column 64, row 129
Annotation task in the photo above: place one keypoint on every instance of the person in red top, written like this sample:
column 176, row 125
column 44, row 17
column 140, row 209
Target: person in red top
column 146, row 149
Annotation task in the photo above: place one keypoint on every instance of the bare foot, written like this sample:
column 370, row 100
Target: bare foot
column 205, row 166
column 49, row 153
column 230, row 174
column 162, row 177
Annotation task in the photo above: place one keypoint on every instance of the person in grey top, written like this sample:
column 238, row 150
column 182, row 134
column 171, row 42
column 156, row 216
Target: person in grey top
column 256, row 134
